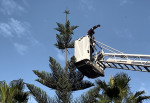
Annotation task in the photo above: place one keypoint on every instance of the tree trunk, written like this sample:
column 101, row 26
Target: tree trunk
column 66, row 71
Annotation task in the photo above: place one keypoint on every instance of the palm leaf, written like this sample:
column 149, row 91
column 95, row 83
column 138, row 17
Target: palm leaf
column 90, row 96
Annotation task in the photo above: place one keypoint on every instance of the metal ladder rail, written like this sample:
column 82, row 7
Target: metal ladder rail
column 125, row 66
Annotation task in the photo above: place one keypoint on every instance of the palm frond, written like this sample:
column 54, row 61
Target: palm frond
column 122, row 80
column 102, row 84
column 14, row 92
column 138, row 93
column 142, row 98
column 90, row 96
column 103, row 99
column 4, row 88
column 17, row 83
column 21, row 96
column 138, row 97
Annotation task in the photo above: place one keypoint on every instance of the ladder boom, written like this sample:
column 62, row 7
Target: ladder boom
column 126, row 66
column 128, row 55
column 135, row 62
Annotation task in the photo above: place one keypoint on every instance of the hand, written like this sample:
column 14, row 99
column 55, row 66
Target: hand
column 98, row 25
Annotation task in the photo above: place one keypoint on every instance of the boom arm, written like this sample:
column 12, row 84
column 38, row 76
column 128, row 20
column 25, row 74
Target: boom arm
column 135, row 62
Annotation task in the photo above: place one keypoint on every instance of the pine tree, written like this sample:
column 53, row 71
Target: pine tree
column 63, row 80
column 64, row 38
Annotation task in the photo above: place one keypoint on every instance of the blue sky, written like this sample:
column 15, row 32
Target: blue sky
column 27, row 34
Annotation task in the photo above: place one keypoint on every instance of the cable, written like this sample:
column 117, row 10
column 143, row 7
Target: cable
column 108, row 47
column 101, row 47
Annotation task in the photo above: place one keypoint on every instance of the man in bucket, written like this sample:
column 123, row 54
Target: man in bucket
column 92, row 42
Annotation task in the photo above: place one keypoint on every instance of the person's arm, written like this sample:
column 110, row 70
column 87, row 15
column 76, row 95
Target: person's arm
column 91, row 31
column 95, row 27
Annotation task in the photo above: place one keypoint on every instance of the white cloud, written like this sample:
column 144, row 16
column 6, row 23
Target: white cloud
column 6, row 30
column 86, row 5
column 21, row 49
column 10, row 6
column 14, row 28
column 19, row 33
column 19, row 28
